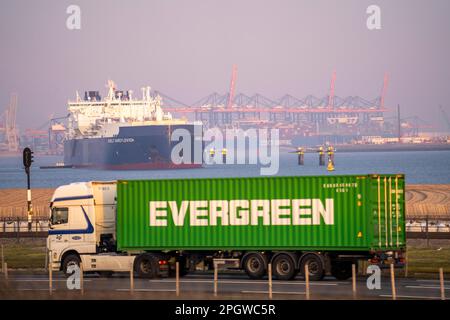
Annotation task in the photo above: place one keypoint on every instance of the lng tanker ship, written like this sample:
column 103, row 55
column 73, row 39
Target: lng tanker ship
column 121, row 132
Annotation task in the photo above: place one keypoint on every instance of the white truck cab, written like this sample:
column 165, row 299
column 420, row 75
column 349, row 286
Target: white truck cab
column 82, row 228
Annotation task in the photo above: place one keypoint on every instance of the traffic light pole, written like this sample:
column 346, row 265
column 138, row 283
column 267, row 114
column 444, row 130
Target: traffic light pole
column 30, row 210
column 27, row 161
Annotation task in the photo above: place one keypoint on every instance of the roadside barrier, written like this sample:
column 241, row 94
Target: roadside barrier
column 394, row 291
column 354, row 280
column 355, row 291
column 46, row 262
column 50, row 272
column 307, row 281
column 269, row 271
column 406, row 264
column 81, row 278
column 177, row 278
column 215, row 278
column 131, row 278
column 223, row 263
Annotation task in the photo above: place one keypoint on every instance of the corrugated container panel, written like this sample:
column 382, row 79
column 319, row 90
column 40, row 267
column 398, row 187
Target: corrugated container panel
column 388, row 207
column 367, row 212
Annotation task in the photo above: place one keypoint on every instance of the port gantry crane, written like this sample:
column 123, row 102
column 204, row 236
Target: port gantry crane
column 217, row 109
column 445, row 115
column 8, row 127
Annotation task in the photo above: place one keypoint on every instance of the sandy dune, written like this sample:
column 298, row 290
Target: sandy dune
column 13, row 202
column 433, row 199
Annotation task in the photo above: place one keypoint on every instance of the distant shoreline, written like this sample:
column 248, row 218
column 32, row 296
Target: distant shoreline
column 394, row 147
column 381, row 147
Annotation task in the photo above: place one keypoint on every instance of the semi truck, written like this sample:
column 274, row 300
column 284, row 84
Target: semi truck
column 325, row 222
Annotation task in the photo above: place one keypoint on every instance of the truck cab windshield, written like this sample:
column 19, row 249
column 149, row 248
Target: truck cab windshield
column 59, row 216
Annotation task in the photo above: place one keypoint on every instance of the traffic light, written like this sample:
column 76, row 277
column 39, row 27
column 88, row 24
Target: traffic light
column 27, row 161
column 27, row 157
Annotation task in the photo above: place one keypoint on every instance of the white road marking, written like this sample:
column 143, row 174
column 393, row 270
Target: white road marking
column 410, row 297
column 427, row 287
column 244, row 282
column 42, row 280
column 150, row 290
column 274, row 292
column 431, row 280
column 28, row 289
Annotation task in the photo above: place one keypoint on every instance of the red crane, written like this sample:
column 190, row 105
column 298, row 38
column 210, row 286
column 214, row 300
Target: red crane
column 331, row 95
column 232, row 87
column 383, row 91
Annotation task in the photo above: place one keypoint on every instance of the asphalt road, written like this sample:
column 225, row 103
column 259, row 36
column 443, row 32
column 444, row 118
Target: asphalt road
column 200, row 286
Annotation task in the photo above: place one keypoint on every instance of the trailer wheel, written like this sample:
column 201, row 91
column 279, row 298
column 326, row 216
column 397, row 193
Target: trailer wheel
column 341, row 270
column 315, row 267
column 283, row 267
column 70, row 260
column 254, row 266
column 146, row 266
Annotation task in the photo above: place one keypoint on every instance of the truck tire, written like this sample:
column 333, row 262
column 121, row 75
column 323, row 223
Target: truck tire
column 315, row 267
column 146, row 266
column 341, row 270
column 283, row 267
column 254, row 266
column 70, row 260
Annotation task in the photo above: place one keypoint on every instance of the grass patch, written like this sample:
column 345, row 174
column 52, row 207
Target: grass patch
column 428, row 259
column 24, row 254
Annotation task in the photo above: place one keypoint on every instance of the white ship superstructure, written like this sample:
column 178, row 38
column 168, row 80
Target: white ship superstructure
column 121, row 132
column 94, row 117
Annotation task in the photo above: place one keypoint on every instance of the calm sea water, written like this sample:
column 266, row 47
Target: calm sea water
column 430, row 167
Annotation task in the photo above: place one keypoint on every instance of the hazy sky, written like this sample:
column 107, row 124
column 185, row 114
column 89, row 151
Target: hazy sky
column 186, row 49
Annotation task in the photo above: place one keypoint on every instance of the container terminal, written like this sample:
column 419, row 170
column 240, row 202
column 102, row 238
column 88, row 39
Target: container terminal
column 352, row 123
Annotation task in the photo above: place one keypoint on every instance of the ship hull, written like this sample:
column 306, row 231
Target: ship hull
column 134, row 148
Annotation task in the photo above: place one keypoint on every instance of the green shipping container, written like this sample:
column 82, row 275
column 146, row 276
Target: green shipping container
column 351, row 212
